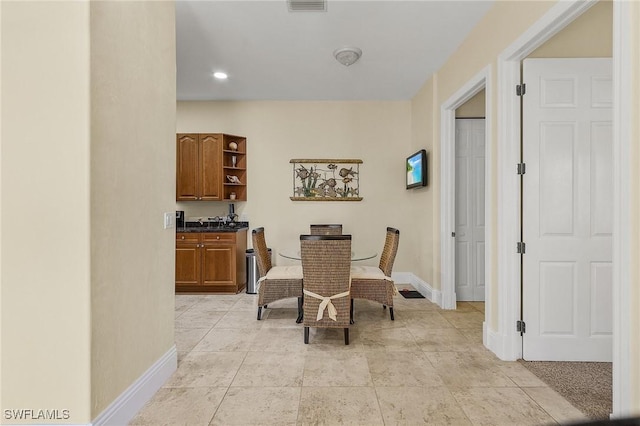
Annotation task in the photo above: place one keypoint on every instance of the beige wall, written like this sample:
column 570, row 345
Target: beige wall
column 87, row 168
column 589, row 36
column 46, row 231
column 1, row 405
column 474, row 107
column 376, row 132
column 423, row 204
column 133, row 94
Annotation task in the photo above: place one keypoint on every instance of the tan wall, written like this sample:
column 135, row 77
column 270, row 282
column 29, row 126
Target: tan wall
column 133, row 94
column 422, row 209
column 589, row 36
column 376, row 132
column 46, row 230
column 474, row 107
column 87, row 167
column 1, row 405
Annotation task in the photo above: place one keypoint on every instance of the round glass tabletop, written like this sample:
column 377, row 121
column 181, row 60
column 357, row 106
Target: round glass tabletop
column 355, row 255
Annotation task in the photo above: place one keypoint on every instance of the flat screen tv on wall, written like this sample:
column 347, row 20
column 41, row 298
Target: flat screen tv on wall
column 417, row 169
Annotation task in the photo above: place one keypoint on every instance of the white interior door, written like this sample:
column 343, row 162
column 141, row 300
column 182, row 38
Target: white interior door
column 567, row 199
column 470, row 164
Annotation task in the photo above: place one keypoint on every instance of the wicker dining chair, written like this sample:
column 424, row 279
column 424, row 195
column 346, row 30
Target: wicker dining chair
column 276, row 282
column 326, row 229
column 375, row 283
column 326, row 262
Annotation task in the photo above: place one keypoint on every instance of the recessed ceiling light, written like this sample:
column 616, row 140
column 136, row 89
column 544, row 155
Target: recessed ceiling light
column 220, row 75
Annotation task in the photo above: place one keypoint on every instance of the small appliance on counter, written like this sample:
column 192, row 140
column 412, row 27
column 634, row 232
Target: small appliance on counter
column 179, row 218
column 232, row 216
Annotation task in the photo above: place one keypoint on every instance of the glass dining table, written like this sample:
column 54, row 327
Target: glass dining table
column 356, row 255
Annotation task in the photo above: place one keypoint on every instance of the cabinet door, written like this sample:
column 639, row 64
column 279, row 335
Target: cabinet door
column 187, row 167
column 188, row 264
column 219, row 266
column 211, row 167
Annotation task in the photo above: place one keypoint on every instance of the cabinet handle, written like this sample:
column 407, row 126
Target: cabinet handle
column 182, row 237
column 217, row 237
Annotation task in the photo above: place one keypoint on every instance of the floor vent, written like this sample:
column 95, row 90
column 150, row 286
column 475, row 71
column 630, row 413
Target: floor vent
column 307, row 5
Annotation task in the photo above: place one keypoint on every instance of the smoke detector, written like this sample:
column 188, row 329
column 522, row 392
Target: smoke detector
column 347, row 55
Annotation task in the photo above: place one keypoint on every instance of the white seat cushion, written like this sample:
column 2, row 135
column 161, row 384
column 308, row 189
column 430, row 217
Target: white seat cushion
column 368, row 273
column 291, row 272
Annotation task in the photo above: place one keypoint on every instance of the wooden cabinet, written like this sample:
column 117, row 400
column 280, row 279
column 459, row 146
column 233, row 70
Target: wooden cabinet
column 207, row 167
column 211, row 261
column 188, row 261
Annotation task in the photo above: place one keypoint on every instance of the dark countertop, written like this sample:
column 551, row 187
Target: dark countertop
column 211, row 227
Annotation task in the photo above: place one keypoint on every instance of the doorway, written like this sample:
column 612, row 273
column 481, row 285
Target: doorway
column 469, row 207
column 481, row 81
column 506, row 342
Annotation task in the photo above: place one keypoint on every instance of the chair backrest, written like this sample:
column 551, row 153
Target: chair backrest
column 260, row 248
column 389, row 251
column 326, row 271
column 326, row 229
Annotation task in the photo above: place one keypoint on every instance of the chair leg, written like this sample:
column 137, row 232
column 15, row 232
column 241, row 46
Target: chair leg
column 306, row 335
column 391, row 313
column 384, row 306
column 346, row 335
column 351, row 313
column 259, row 313
column 300, row 316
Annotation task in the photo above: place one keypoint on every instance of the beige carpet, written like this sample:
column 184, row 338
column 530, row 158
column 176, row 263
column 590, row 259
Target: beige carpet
column 586, row 385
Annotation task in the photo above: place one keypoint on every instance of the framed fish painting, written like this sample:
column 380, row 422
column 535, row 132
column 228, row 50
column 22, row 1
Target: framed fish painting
column 326, row 180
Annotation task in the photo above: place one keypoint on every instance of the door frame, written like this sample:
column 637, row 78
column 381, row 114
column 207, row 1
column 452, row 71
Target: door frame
column 508, row 342
column 480, row 81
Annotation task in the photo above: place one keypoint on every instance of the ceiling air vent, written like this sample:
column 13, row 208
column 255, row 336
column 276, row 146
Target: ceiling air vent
column 307, row 5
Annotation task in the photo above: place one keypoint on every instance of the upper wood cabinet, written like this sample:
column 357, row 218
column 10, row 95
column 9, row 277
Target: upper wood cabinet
column 203, row 164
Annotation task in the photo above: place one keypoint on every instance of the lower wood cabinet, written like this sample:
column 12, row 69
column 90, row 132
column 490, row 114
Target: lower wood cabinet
column 212, row 262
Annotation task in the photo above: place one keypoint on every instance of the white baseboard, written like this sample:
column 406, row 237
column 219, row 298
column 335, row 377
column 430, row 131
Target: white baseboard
column 126, row 406
column 485, row 337
column 497, row 344
column 421, row 286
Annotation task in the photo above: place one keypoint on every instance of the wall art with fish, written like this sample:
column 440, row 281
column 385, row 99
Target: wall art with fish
column 326, row 180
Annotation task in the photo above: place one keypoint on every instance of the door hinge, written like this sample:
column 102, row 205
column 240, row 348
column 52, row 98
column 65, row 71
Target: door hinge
column 520, row 247
column 521, row 89
column 520, row 326
column 521, row 168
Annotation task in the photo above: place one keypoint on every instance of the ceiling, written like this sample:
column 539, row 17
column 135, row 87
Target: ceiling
column 270, row 53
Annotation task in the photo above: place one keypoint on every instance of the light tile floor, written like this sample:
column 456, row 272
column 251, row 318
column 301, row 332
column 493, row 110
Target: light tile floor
column 427, row 367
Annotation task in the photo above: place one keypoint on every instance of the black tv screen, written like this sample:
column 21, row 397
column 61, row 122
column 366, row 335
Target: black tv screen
column 417, row 169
